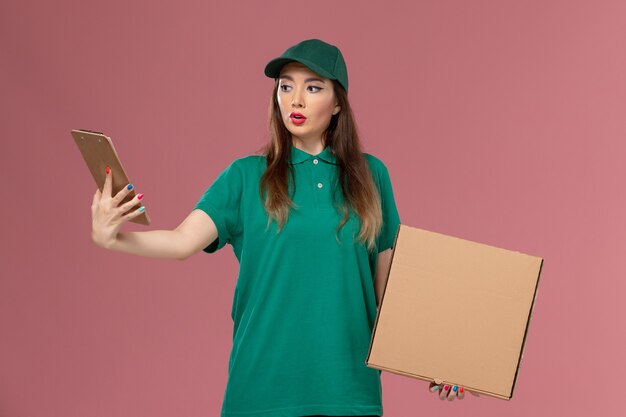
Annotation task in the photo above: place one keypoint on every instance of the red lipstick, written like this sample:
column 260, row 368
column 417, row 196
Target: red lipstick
column 297, row 118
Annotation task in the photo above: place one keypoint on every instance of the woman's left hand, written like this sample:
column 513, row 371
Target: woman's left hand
column 449, row 392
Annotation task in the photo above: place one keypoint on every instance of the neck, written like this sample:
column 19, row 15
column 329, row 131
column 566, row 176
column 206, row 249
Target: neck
column 313, row 146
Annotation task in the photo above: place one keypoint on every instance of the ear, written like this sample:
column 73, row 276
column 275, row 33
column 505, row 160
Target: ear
column 337, row 109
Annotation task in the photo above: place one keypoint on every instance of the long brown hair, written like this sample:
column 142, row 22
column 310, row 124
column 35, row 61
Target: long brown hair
column 355, row 177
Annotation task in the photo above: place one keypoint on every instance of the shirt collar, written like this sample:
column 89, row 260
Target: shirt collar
column 298, row 155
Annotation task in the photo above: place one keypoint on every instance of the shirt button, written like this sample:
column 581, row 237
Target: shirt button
column 319, row 185
column 315, row 161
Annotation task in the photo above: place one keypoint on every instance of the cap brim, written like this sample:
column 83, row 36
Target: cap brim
column 272, row 69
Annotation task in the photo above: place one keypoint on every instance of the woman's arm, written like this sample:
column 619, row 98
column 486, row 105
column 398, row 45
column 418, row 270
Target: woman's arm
column 108, row 213
column 382, row 273
column 196, row 232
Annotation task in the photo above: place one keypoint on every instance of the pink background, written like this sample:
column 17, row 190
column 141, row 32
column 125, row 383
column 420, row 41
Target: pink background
column 501, row 122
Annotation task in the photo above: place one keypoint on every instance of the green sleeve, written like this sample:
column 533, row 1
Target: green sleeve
column 391, row 218
column 221, row 202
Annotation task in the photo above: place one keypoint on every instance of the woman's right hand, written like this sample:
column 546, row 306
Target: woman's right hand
column 107, row 217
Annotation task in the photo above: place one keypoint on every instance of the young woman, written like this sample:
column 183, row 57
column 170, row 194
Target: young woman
column 311, row 221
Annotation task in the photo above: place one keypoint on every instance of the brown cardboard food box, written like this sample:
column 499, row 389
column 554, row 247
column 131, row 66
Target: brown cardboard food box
column 455, row 311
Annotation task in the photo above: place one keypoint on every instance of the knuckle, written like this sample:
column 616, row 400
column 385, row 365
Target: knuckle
column 125, row 206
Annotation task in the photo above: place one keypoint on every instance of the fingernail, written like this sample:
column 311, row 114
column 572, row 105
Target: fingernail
column 461, row 390
column 140, row 196
column 455, row 388
column 108, row 170
column 436, row 387
column 447, row 387
column 130, row 186
column 142, row 208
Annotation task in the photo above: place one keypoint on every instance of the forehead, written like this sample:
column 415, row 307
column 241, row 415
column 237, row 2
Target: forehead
column 298, row 69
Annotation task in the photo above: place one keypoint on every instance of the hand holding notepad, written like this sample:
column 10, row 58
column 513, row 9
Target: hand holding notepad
column 109, row 213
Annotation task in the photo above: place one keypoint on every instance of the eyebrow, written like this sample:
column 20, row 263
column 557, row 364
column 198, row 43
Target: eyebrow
column 306, row 81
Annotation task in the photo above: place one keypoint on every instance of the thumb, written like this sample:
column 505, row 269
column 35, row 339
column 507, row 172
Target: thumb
column 106, row 189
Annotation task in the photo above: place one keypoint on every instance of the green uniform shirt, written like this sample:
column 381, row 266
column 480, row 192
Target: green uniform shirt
column 304, row 305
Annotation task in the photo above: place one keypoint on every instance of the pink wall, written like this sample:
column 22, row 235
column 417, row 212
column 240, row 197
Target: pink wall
column 500, row 122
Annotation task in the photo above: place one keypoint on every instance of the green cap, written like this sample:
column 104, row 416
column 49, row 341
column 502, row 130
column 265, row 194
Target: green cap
column 321, row 57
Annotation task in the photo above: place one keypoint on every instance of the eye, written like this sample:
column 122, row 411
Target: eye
column 283, row 85
column 318, row 88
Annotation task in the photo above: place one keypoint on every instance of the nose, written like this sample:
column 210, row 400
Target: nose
column 298, row 99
